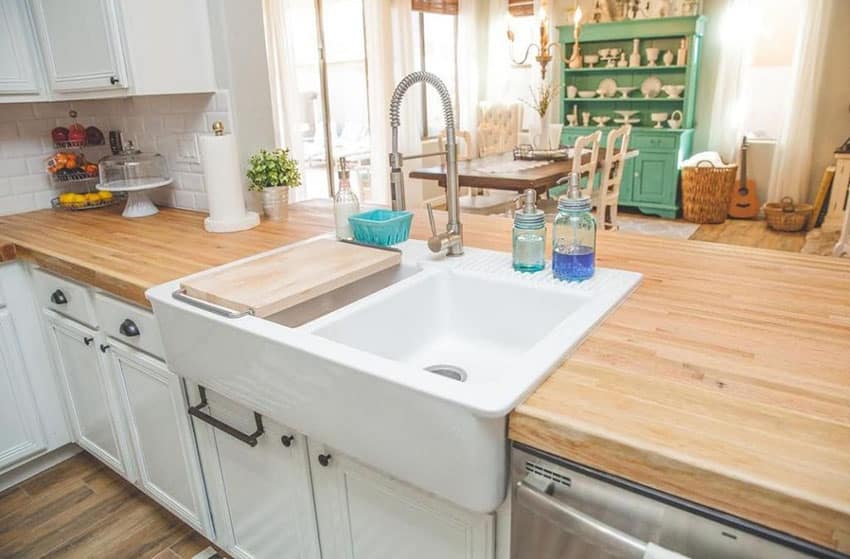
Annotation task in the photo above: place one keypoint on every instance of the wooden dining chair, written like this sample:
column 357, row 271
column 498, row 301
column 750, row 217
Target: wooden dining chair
column 585, row 169
column 605, row 201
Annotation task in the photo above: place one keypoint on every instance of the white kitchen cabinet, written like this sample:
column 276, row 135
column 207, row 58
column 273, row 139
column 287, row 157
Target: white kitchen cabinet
column 90, row 394
column 161, row 436
column 81, row 44
column 364, row 513
column 20, row 67
column 21, row 434
column 260, row 495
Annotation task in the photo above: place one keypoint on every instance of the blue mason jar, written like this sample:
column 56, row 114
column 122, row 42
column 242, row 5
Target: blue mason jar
column 574, row 238
column 529, row 236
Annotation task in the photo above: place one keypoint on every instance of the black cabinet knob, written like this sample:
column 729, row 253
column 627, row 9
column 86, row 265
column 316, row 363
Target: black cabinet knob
column 104, row 347
column 324, row 459
column 114, row 80
column 58, row 297
column 88, row 340
column 287, row 440
column 129, row 328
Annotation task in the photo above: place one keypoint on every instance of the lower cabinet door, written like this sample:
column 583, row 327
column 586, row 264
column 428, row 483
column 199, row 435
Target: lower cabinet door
column 261, row 499
column 91, row 397
column 363, row 513
column 656, row 178
column 21, row 433
column 161, row 436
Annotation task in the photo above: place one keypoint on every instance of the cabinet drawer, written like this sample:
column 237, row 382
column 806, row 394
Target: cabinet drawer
column 653, row 142
column 132, row 325
column 65, row 297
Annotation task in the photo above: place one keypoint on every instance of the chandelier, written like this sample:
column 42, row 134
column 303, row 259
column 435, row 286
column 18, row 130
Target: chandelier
column 543, row 49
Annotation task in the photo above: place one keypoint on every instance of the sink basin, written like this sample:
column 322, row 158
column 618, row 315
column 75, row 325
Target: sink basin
column 479, row 327
column 412, row 372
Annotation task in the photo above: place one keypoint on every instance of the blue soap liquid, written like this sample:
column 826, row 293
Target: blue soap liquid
column 573, row 263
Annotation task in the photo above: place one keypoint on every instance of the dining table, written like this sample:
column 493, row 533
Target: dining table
column 503, row 172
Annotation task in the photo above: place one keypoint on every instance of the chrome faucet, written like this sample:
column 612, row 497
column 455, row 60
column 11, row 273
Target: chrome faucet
column 451, row 240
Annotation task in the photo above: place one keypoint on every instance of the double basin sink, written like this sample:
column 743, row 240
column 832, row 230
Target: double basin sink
column 412, row 370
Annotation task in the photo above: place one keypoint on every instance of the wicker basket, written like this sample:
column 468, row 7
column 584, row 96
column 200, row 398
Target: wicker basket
column 786, row 215
column 706, row 192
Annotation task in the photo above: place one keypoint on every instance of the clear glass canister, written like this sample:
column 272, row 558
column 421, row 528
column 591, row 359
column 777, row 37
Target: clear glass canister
column 574, row 240
column 529, row 237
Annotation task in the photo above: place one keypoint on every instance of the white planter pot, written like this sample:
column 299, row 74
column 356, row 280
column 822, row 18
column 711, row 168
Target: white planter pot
column 276, row 202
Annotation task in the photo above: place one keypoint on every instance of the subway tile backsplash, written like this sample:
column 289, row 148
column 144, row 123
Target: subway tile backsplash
column 165, row 124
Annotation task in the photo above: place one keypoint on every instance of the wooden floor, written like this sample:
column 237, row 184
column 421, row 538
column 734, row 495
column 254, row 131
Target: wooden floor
column 751, row 233
column 81, row 509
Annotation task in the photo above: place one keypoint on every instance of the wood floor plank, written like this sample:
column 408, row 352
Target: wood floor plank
column 80, row 509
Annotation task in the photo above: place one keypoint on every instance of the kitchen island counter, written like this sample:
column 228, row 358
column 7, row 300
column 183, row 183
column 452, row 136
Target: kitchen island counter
column 724, row 379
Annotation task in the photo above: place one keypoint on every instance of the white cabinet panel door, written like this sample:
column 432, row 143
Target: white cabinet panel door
column 262, row 502
column 91, row 403
column 21, row 435
column 163, row 443
column 81, row 44
column 363, row 513
column 18, row 62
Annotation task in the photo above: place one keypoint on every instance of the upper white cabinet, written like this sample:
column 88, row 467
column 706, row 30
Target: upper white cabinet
column 365, row 513
column 81, row 44
column 83, row 49
column 21, row 435
column 19, row 65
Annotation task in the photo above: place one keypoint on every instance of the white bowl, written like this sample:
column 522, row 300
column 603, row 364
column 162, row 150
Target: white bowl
column 625, row 91
column 586, row 94
column 591, row 59
column 601, row 120
column 673, row 91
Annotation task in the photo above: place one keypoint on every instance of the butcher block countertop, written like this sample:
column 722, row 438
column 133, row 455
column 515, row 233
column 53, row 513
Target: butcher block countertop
column 724, row 379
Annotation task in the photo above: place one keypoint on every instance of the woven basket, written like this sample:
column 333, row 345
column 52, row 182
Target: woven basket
column 706, row 192
column 786, row 215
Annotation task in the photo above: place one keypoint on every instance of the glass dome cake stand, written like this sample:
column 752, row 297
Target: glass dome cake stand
column 135, row 173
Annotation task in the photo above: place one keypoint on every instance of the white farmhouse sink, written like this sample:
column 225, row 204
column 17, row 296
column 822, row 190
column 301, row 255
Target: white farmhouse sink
column 414, row 375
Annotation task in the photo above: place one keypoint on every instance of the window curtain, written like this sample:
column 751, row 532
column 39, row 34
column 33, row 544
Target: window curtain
column 733, row 79
column 792, row 159
column 471, row 59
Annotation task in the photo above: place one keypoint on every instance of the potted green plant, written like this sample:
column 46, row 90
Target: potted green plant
column 273, row 173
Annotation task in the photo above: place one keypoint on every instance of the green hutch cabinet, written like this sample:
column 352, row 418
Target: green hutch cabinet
column 651, row 180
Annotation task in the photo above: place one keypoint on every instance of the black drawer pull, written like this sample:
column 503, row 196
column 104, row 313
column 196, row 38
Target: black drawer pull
column 58, row 298
column 250, row 440
column 287, row 440
column 325, row 459
column 88, row 340
column 104, row 347
column 128, row 328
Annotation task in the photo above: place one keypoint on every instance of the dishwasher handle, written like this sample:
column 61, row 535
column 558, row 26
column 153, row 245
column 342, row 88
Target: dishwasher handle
column 582, row 524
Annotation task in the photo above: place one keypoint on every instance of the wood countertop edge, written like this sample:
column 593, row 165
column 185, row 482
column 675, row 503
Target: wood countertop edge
column 8, row 250
column 800, row 515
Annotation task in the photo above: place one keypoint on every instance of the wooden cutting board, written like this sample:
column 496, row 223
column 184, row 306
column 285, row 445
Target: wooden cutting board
column 278, row 281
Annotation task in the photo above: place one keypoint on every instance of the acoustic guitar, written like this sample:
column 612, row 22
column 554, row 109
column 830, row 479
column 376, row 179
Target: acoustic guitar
column 745, row 202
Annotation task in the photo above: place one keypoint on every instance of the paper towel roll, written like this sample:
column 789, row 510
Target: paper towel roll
column 226, row 198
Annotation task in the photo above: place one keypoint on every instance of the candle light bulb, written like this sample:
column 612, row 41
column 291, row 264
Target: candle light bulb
column 577, row 16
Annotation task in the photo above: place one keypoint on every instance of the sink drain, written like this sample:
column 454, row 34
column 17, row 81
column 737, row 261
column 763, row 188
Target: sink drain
column 448, row 371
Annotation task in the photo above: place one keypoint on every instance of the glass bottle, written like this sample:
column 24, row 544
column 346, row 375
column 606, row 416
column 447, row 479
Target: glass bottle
column 345, row 202
column 529, row 236
column 574, row 236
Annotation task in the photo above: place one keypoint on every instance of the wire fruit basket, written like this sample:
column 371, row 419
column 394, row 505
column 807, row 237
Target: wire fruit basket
column 75, row 202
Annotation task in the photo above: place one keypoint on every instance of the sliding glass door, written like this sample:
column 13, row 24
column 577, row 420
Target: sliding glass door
column 323, row 111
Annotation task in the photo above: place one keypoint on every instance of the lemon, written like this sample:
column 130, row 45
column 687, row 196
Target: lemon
column 78, row 200
column 105, row 195
column 66, row 198
column 93, row 198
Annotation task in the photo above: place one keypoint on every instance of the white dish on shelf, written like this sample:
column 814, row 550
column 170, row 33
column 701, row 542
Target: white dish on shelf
column 587, row 94
column 673, row 91
column 601, row 120
column 607, row 88
column 627, row 114
column 627, row 121
column 625, row 91
column 650, row 87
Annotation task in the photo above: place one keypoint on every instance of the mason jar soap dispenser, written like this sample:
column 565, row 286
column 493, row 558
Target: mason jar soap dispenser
column 529, row 236
column 574, row 236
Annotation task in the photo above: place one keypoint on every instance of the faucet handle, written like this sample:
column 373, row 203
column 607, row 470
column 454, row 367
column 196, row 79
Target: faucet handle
column 430, row 209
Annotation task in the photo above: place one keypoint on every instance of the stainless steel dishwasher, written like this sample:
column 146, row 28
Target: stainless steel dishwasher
column 562, row 510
